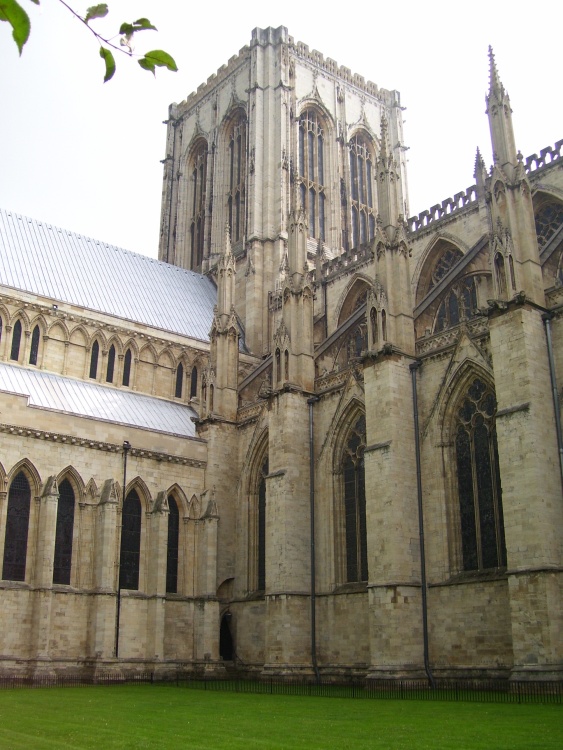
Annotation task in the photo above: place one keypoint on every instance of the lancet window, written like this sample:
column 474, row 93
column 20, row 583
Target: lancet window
column 478, row 479
column 261, row 528
column 94, row 355
column 34, row 351
column 179, row 387
column 110, row 364
column 172, row 547
column 16, row 341
column 193, row 382
column 64, row 534
column 313, row 189
column 127, row 367
column 17, row 527
column 361, row 191
column 237, row 173
column 130, row 542
column 198, row 165
column 355, row 503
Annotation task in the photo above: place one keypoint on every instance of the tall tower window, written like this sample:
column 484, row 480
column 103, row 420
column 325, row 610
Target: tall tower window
column 361, row 191
column 479, row 489
column 237, row 173
column 313, row 190
column 198, row 164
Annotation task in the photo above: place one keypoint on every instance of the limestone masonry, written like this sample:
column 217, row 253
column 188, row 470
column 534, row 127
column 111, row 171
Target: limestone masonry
column 200, row 452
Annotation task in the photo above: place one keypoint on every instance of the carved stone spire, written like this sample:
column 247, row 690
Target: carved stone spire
column 500, row 118
column 297, row 240
column 480, row 173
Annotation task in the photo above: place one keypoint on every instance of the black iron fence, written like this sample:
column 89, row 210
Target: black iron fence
column 493, row 691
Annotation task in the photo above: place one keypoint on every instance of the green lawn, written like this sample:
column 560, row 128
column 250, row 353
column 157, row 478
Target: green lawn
column 145, row 716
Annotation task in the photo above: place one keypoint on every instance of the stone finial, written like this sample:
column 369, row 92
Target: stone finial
column 495, row 84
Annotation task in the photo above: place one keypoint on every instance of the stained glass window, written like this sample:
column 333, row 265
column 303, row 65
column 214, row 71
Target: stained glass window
column 16, row 340
column 172, row 548
column 17, row 527
column 548, row 220
column 479, row 488
column 130, row 542
column 261, row 546
column 34, row 351
column 64, row 534
column 355, row 503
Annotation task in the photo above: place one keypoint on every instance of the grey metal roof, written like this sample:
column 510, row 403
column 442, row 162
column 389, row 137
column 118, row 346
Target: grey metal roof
column 67, row 267
column 47, row 391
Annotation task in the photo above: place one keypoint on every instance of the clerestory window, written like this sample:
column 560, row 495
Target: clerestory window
column 361, row 191
column 313, row 189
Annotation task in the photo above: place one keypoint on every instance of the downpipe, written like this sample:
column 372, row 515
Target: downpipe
column 310, row 402
column 413, row 368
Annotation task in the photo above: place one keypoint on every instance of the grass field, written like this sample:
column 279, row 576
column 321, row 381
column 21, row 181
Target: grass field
column 145, row 716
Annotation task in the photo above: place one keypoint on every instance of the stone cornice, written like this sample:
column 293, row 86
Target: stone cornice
column 57, row 437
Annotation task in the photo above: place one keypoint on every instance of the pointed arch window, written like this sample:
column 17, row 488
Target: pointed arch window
column 261, row 528
column 198, row 169
column 478, row 477
column 548, row 220
column 127, row 367
column 17, row 528
column 313, row 189
column 355, row 503
column 179, row 381
column 362, row 190
column 64, row 534
column 237, row 173
column 459, row 303
column 34, row 351
column 16, row 341
column 94, row 355
column 193, row 382
column 110, row 364
column 130, row 542
column 172, row 547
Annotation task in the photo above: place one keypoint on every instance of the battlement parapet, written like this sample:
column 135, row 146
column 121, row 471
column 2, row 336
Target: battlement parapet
column 439, row 211
column 348, row 260
column 216, row 78
column 547, row 156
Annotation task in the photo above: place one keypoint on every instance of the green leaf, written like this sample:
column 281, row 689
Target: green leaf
column 35, row 1
column 159, row 58
column 143, row 23
column 107, row 57
column 96, row 11
column 16, row 16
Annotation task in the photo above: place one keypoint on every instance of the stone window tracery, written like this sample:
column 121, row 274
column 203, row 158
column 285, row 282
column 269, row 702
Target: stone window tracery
column 478, row 480
column 548, row 220
column 17, row 528
column 355, row 503
column 361, row 190
column 237, row 175
column 313, row 190
column 198, row 164
column 64, row 534
column 459, row 303
column 444, row 265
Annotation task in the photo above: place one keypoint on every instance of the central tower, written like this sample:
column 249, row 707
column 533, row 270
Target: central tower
column 276, row 114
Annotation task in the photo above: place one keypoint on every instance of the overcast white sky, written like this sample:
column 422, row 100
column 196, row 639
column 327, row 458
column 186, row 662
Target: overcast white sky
column 84, row 155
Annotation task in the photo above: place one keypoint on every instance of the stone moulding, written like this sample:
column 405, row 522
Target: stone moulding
column 56, row 437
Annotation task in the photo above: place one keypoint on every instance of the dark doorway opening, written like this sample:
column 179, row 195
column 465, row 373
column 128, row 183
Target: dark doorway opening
column 226, row 649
